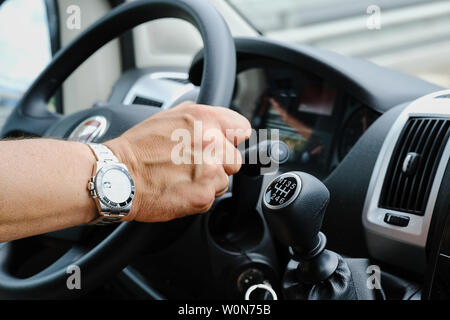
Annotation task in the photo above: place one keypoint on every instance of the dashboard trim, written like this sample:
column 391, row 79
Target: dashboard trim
column 158, row 86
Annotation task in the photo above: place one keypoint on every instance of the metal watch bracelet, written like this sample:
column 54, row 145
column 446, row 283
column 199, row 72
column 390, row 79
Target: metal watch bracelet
column 104, row 156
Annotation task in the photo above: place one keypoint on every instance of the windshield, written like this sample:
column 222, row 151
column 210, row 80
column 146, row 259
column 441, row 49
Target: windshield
column 412, row 36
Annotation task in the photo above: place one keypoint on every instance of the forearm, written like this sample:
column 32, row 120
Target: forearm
column 44, row 183
column 43, row 187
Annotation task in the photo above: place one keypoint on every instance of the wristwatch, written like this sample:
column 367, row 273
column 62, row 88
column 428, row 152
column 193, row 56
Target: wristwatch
column 111, row 186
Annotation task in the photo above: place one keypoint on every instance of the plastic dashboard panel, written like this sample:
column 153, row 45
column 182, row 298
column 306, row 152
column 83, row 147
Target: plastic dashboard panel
column 383, row 90
column 348, row 185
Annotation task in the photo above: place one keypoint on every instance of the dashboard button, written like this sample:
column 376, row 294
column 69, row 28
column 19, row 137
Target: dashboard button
column 396, row 220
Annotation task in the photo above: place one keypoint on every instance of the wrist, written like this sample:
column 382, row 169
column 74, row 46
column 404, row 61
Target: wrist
column 125, row 155
column 88, row 160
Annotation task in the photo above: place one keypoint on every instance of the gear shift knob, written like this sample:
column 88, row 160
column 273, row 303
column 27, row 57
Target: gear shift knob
column 294, row 205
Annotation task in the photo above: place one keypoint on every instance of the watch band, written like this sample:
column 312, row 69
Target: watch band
column 106, row 220
column 102, row 153
column 105, row 155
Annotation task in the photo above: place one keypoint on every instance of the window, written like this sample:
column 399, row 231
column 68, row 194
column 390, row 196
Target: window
column 24, row 49
column 412, row 36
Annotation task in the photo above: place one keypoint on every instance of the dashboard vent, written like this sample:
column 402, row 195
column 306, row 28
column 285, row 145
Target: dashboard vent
column 147, row 102
column 413, row 165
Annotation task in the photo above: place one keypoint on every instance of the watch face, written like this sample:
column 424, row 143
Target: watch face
column 115, row 186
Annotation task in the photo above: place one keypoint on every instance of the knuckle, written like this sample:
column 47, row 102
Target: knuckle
column 185, row 104
column 188, row 120
column 200, row 112
column 203, row 201
column 207, row 207
column 194, row 110
column 210, row 171
column 208, row 112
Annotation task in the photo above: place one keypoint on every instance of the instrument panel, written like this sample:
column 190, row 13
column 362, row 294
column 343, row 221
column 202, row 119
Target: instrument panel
column 319, row 123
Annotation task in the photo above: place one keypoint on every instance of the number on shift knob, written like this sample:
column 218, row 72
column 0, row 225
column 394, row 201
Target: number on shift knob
column 282, row 191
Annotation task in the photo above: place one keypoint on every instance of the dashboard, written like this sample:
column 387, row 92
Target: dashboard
column 333, row 112
column 319, row 123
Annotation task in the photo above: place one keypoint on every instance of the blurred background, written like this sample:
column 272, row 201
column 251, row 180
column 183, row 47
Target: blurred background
column 24, row 50
column 412, row 36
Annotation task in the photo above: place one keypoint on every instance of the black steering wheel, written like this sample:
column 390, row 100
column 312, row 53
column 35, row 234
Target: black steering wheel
column 114, row 252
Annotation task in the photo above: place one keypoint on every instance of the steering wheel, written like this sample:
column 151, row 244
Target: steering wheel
column 114, row 252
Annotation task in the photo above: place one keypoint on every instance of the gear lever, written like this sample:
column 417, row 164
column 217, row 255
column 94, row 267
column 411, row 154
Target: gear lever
column 246, row 187
column 247, row 183
column 294, row 205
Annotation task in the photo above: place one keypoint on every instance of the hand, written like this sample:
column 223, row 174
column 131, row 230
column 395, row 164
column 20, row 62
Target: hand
column 166, row 190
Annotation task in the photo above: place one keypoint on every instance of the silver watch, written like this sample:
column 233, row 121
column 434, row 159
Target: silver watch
column 111, row 186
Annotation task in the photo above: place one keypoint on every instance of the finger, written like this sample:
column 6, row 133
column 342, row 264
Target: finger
column 235, row 127
column 220, row 151
column 221, row 183
column 232, row 159
column 196, row 198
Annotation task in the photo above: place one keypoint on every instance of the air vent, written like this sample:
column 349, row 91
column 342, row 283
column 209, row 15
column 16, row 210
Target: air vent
column 413, row 165
column 147, row 102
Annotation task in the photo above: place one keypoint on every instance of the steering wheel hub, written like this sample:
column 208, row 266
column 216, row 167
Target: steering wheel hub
column 93, row 128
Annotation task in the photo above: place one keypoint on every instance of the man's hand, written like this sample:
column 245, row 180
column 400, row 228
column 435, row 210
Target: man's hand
column 166, row 190
column 43, row 181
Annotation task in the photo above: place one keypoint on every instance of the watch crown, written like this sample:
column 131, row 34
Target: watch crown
column 91, row 188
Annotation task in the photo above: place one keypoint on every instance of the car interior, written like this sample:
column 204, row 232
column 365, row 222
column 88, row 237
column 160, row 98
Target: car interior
column 363, row 112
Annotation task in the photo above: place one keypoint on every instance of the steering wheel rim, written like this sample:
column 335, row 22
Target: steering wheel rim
column 31, row 115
